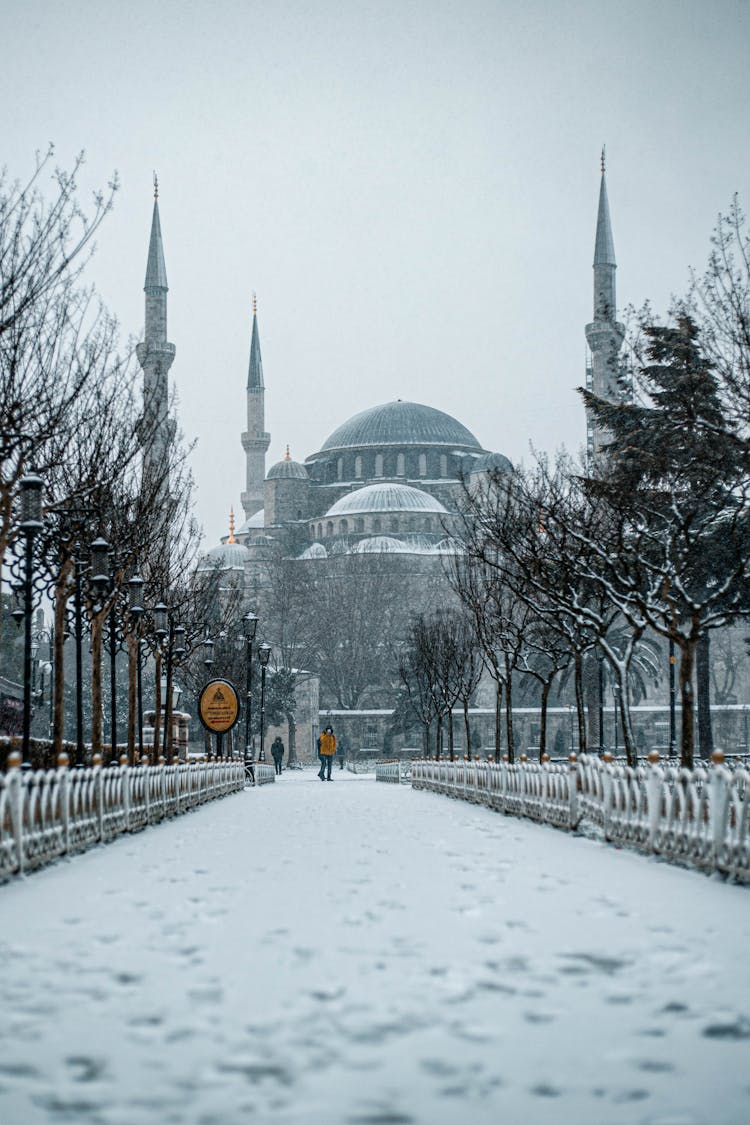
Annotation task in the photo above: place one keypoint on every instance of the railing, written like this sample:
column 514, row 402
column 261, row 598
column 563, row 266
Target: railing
column 49, row 813
column 264, row 772
column 389, row 771
column 700, row 817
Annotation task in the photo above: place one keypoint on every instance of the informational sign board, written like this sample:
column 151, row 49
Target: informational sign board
column 218, row 706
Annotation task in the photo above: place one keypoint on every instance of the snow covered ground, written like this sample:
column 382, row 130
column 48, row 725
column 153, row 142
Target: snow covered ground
column 364, row 954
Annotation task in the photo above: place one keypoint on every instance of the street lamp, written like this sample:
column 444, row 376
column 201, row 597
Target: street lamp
column 31, row 522
column 250, row 623
column 136, row 610
column 264, row 654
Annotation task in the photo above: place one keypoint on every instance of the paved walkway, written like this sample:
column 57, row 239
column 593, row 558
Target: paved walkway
column 364, row 954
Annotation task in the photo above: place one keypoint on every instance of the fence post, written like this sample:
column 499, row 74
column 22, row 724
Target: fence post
column 96, row 765
column 719, row 782
column 124, row 769
column 15, row 791
column 607, row 787
column 64, row 775
column 653, row 788
column 573, row 789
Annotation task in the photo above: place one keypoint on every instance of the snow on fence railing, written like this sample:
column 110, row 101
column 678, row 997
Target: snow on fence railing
column 49, row 813
column 390, row 771
column 264, row 772
column 700, row 817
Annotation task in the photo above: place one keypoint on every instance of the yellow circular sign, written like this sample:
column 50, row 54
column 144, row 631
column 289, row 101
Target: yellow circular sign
column 218, row 706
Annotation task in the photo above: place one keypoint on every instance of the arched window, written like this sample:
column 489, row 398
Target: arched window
column 378, row 464
column 394, row 523
column 358, row 467
column 428, row 525
column 359, row 524
column 443, row 465
column 329, row 529
column 344, row 527
column 320, row 531
column 340, row 468
column 400, row 466
column 376, row 524
column 423, row 464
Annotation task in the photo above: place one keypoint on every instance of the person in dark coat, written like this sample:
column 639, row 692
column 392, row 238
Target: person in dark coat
column 277, row 752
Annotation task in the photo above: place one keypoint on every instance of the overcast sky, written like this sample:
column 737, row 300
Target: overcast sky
column 410, row 188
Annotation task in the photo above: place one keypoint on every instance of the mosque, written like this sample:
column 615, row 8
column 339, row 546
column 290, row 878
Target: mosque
column 386, row 483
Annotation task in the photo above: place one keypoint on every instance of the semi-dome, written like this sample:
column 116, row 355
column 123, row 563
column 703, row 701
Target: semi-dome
column 401, row 423
column 257, row 521
column 379, row 543
column 287, row 469
column 315, row 551
column 385, row 498
column 490, row 462
column 227, row 556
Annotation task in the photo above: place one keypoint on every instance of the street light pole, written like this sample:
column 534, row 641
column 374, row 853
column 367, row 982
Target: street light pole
column 135, row 607
column 250, row 621
column 672, row 722
column 264, row 653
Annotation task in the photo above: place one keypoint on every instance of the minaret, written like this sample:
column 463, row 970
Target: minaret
column 155, row 355
column 604, row 334
column 255, row 441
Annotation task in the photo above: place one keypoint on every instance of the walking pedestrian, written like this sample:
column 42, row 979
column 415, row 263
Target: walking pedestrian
column 326, row 750
column 277, row 752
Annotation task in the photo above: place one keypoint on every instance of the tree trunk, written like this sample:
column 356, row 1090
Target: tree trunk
column 590, row 685
column 292, row 728
column 438, row 736
column 626, row 721
column 451, row 748
column 509, row 712
column 97, row 622
column 498, row 720
column 703, row 685
column 426, row 739
column 580, row 707
column 467, row 728
column 168, row 723
column 543, row 718
column 687, row 726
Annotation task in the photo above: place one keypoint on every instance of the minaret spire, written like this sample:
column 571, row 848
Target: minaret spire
column 255, row 440
column 604, row 334
column 155, row 353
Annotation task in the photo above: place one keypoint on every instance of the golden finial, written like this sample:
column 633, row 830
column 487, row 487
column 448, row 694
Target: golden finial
column 287, row 456
column 156, row 186
column 231, row 538
column 255, row 303
column 604, row 158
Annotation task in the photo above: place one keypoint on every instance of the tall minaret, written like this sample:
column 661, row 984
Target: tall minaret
column 604, row 334
column 255, row 441
column 155, row 356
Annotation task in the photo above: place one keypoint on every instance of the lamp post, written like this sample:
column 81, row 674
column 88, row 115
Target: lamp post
column 31, row 522
column 600, row 669
column 208, row 663
column 250, row 622
column 264, row 654
column 136, row 611
column 672, row 722
column 176, row 650
column 615, row 701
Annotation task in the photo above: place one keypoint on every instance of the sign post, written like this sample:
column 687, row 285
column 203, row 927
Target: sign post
column 218, row 709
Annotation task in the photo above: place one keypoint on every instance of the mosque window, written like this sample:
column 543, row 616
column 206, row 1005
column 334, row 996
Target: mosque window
column 400, row 466
column 378, row 464
column 358, row 467
column 376, row 524
column 344, row 527
column 329, row 529
column 394, row 524
column 320, row 531
column 340, row 468
column 443, row 465
column 359, row 524
column 428, row 525
column 423, row 464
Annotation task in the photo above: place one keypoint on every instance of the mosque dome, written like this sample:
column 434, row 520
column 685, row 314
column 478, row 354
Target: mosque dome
column 315, row 551
column 287, row 469
column 379, row 543
column 386, row 497
column 401, row 423
column 490, row 462
column 256, row 523
column 229, row 555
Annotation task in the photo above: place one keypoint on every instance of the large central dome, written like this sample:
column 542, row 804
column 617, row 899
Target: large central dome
column 401, row 423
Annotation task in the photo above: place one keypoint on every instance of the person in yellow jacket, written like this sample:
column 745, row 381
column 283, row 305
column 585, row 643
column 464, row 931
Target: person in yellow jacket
column 326, row 750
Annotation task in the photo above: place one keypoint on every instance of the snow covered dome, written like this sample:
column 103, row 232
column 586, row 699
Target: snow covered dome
column 315, row 551
column 229, row 555
column 490, row 462
column 287, row 469
column 377, row 543
column 386, row 498
column 401, row 423
column 256, row 523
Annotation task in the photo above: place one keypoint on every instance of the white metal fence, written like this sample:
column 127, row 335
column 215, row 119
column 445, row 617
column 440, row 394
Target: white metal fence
column 396, row 771
column 49, row 813
column 700, row 816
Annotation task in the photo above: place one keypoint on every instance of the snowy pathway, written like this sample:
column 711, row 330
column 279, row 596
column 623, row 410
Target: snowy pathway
column 361, row 954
